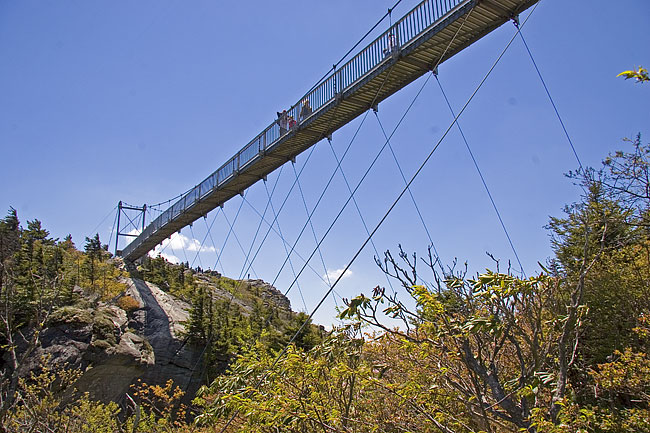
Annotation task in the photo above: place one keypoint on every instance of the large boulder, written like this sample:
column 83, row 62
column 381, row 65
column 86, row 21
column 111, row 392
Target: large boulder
column 137, row 336
column 270, row 294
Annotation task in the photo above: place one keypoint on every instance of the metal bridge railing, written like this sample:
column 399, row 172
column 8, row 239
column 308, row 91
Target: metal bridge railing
column 398, row 36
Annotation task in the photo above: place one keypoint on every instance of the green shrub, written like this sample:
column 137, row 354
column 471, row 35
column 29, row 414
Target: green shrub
column 128, row 304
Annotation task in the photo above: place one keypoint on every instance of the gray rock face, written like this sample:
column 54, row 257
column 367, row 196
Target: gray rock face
column 271, row 294
column 163, row 325
column 115, row 349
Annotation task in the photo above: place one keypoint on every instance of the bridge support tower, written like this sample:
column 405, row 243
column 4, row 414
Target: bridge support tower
column 133, row 215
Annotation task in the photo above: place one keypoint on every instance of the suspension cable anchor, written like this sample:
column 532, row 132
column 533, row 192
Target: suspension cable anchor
column 515, row 20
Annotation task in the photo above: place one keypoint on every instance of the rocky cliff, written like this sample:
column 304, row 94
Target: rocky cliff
column 116, row 343
column 139, row 335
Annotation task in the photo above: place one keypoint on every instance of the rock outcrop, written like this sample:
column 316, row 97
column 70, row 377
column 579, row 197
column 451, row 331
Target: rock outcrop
column 114, row 346
column 270, row 294
column 139, row 335
column 161, row 319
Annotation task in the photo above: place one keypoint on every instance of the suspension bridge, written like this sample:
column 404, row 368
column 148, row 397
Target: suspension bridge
column 431, row 33
column 415, row 45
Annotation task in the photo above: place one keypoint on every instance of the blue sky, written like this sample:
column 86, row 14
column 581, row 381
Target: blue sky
column 138, row 101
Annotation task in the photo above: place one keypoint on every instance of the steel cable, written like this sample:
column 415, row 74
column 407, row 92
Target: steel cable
column 480, row 174
column 548, row 93
column 404, row 190
column 277, row 223
column 415, row 204
column 297, row 254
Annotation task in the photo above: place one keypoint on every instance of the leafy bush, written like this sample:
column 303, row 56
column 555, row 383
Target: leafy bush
column 128, row 304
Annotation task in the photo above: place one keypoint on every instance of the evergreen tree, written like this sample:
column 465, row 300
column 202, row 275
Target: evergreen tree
column 93, row 249
column 30, row 262
column 195, row 326
column 67, row 243
column 9, row 242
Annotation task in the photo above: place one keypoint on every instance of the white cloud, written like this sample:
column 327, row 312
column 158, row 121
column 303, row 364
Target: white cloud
column 135, row 232
column 334, row 274
column 169, row 257
column 176, row 243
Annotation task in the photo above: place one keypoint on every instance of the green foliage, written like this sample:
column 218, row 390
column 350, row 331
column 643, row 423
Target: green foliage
column 561, row 351
column 175, row 279
column 343, row 384
column 44, row 404
column 93, row 249
column 492, row 333
column 620, row 403
column 536, row 354
column 161, row 405
column 37, row 280
column 128, row 304
column 40, row 406
column 304, row 334
column 228, row 317
column 607, row 233
column 296, row 403
column 70, row 314
column 626, row 380
column 9, row 236
column 640, row 75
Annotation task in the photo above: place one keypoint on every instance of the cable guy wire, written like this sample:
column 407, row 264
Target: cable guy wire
column 480, row 174
column 363, row 220
column 229, row 230
column 415, row 204
column 548, row 93
column 110, row 238
column 286, row 243
column 277, row 223
column 379, row 224
column 102, row 221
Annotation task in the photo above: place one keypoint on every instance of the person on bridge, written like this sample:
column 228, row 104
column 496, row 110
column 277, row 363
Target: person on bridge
column 392, row 44
column 283, row 122
column 305, row 111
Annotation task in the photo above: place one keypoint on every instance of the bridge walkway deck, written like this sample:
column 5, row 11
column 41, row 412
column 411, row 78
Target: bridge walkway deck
column 432, row 32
